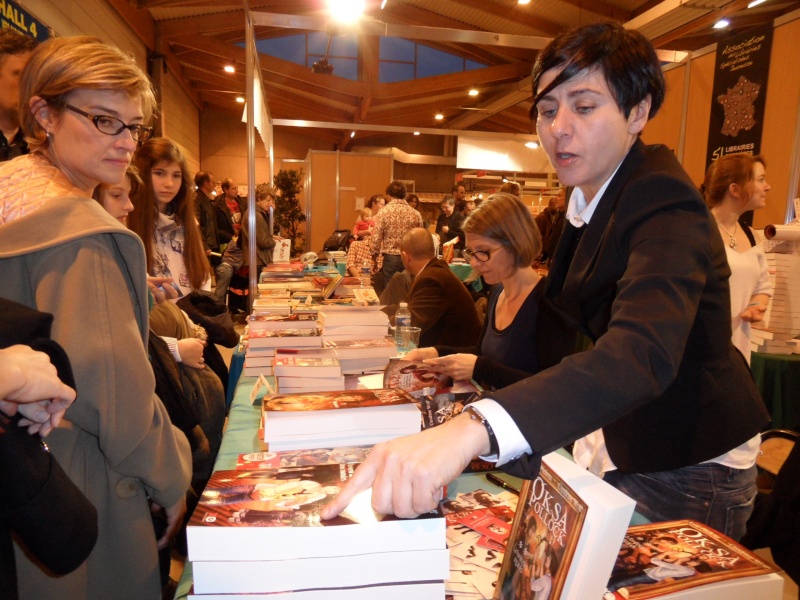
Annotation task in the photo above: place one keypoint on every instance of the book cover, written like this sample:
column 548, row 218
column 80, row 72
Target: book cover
column 276, row 338
column 545, row 533
column 295, row 365
column 302, row 458
column 380, row 346
column 349, row 399
column 418, row 379
column 277, row 321
column 662, row 558
column 415, row 377
column 273, row 514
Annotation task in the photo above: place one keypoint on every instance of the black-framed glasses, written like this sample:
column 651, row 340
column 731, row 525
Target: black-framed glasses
column 109, row 125
column 480, row 255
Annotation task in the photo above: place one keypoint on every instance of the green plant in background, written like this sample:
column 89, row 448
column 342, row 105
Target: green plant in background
column 288, row 212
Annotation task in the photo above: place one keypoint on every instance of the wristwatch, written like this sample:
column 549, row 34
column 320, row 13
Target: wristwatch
column 476, row 415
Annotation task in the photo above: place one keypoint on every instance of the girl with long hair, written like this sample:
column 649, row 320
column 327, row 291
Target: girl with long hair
column 164, row 217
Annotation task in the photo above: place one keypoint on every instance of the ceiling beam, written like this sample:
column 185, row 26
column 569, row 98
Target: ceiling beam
column 704, row 22
column 202, row 24
column 512, row 94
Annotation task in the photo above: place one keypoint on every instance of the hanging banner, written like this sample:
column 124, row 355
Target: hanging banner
column 13, row 15
column 739, row 93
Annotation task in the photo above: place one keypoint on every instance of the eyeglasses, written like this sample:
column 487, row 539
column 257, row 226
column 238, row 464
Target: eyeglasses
column 110, row 125
column 480, row 255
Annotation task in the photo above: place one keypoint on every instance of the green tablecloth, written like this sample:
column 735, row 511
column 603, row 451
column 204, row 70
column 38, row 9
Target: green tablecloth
column 778, row 379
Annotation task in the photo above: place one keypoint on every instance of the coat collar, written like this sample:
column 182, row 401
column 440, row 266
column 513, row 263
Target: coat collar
column 569, row 272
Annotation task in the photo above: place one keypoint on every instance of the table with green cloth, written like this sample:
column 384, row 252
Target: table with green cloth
column 778, row 379
column 241, row 435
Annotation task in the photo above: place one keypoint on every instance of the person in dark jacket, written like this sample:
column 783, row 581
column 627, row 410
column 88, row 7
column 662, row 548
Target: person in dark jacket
column 38, row 503
column 664, row 405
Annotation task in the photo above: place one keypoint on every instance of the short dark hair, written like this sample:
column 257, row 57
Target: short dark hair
column 226, row 184
column 13, row 42
column 627, row 59
column 397, row 189
column 202, row 178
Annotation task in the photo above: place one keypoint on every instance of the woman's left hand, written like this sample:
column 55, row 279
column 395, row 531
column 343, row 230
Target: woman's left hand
column 457, row 366
column 754, row 313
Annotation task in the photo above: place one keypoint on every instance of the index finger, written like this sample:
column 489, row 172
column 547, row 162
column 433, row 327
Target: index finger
column 361, row 480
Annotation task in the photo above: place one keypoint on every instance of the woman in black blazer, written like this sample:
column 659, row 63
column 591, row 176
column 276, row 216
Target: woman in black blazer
column 641, row 270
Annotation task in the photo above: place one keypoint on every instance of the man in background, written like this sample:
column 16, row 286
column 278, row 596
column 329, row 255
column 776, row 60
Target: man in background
column 15, row 50
column 207, row 215
column 439, row 302
column 391, row 223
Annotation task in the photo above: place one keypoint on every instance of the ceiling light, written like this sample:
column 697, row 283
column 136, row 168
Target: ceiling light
column 240, row 99
column 416, row 133
column 721, row 24
column 383, row 4
column 755, row 3
column 229, row 69
column 346, row 11
column 532, row 145
column 473, row 92
column 352, row 134
column 523, row 1
column 438, row 116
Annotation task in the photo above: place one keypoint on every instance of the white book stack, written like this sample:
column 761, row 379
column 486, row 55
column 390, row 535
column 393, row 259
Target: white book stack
column 258, row 361
column 258, row 535
column 363, row 355
column 352, row 323
column 308, row 374
column 305, row 421
column 782, row 320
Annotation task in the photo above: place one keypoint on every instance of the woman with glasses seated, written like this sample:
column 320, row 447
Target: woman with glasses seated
column 84, row 106
column 502, row 241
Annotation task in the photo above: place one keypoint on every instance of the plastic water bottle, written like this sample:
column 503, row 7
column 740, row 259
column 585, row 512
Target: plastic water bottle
column 366, row 279
column 402, row 318
column 331, row 263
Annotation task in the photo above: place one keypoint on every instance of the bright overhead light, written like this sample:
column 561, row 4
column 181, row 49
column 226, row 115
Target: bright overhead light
column 438, row 116
column 240, row 99
column 416, row 133
column 346, row 11
column 229, row 69
column 721, row 24
column 352, row 134
column 755, row 3
column 473, row 92
column 532, row 145
column 523, row 2
column 383, row 4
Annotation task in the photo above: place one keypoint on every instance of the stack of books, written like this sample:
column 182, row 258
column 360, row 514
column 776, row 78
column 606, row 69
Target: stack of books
column 296, row 373
column 352, row 323
column 261, row 345
column 781, row 324
column 260, row 533
column 363, row 355
column 340, row 418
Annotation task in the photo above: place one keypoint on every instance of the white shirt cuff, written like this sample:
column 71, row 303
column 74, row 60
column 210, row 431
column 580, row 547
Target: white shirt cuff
column 173, row 347
column 510, row 440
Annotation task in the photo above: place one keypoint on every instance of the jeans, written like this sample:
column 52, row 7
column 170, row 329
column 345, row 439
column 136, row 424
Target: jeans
column 719, row 496
column 392, row 263
column 223, row 273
